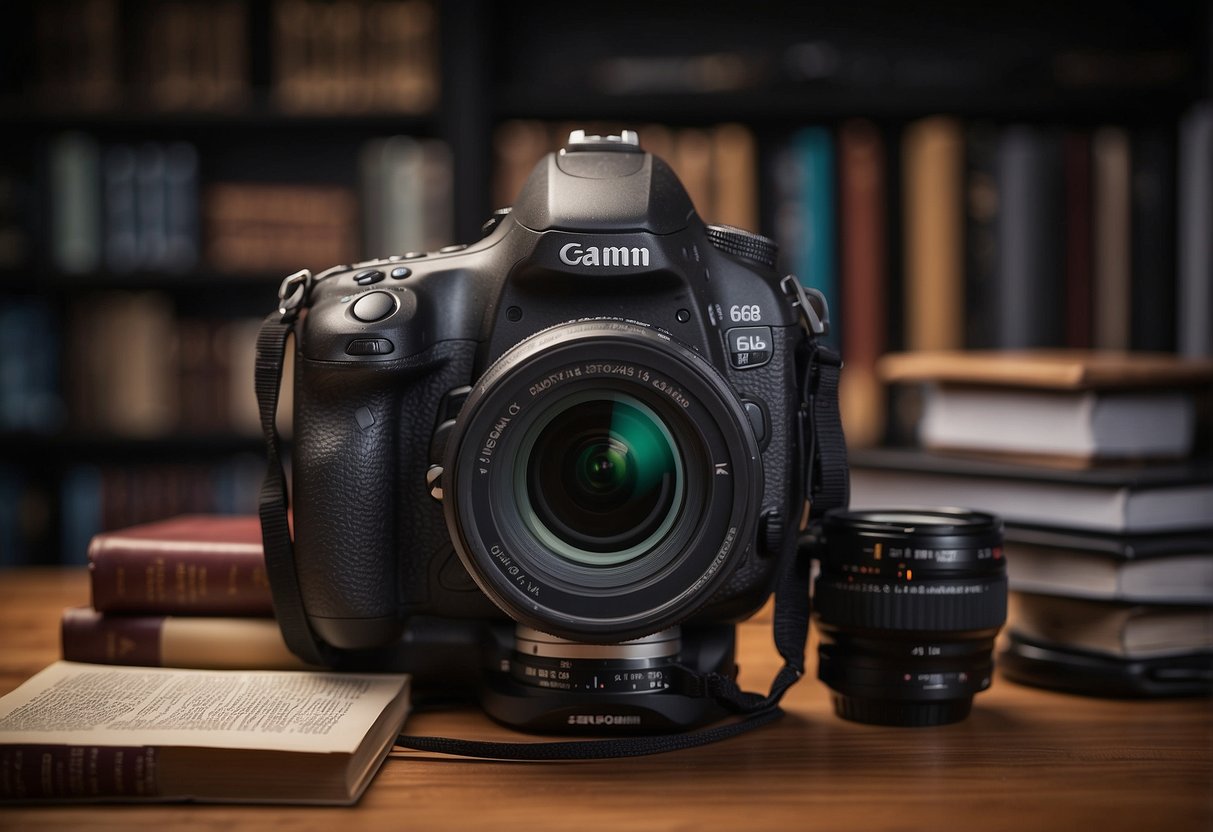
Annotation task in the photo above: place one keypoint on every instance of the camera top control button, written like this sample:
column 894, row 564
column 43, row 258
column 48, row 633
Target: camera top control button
column 758, row 419
column 745, row 244
column 748, row 346
column 368, row 277
column 373, row 306
column 401, row 272
column 452, row 249
column 413, row 255
column 369, row 346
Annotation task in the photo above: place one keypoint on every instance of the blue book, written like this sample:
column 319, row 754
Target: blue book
column 816, row 260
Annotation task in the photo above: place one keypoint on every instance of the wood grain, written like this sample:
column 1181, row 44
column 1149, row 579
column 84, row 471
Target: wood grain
column 1025, row 760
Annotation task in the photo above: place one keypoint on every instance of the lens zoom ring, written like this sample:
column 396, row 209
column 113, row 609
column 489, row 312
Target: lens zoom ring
column 930, row 605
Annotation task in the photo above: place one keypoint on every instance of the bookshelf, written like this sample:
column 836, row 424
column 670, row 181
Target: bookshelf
column 302, row 99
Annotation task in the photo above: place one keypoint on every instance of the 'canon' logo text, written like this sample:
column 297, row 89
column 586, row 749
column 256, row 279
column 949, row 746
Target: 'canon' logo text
column 575, row 254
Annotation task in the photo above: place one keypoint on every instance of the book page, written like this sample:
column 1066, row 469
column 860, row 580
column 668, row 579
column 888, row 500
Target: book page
column 92, row 704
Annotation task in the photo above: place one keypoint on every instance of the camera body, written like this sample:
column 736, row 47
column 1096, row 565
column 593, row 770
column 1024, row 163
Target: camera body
column 588, row 421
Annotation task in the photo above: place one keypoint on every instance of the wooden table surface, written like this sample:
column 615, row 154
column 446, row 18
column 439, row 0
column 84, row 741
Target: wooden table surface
column 1025, row 760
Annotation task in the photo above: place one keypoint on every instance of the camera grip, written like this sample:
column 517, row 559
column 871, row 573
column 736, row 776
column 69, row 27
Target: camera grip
column 344, row 482
column 362, row 514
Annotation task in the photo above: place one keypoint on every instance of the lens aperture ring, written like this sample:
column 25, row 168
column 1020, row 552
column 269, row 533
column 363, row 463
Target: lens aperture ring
column 947, row 605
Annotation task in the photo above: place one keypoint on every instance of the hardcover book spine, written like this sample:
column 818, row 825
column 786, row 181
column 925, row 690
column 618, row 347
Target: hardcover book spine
column 981, row 236
column 1110, row 163
column 91, row 637
column 175, row 641
column 818, row 268
column 864, row 266
column 89, row 772
column 1077, row 165
column 1152, row 294
column 213, row 582
column 932, row 155
column 1195, row 239
column 1030, row 257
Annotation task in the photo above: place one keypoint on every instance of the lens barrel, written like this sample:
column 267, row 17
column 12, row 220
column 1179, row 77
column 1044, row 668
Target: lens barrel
column 602, row 481
column 908, row 604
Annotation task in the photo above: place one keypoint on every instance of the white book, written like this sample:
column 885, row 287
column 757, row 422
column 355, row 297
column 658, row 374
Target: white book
column 1090, row 424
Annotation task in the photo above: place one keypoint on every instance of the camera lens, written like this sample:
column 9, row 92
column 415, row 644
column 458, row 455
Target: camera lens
column 600, row 479
column 908, row 606
column 603, row 483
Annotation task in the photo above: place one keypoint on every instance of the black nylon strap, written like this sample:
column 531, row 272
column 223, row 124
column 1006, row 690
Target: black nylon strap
column 274, row 501
column 589, row 749
column 828, row 483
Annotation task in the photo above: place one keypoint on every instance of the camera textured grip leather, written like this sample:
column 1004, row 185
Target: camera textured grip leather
column 776, row 387
column 366, row 526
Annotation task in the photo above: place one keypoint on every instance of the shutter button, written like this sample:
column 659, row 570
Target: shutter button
column 374, row 306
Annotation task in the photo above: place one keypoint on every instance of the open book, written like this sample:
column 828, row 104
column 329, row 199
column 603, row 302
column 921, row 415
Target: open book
column 101, row 733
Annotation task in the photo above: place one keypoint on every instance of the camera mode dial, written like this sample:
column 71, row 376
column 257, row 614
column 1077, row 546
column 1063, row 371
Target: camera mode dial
column 745, row 244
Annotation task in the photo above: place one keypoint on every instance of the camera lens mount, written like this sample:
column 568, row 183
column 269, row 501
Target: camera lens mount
column 603, row 481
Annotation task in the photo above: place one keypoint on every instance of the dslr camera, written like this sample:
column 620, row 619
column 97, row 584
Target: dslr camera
column 555, row 466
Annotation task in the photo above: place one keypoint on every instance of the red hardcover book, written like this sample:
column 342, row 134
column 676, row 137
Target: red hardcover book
column 175, row 641
column 192, row 565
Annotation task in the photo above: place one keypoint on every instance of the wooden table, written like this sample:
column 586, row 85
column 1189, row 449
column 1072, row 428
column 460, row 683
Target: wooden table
column 1025, row 760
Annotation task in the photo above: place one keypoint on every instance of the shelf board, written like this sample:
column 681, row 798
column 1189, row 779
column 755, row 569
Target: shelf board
column 257, row 117
column 29, row 447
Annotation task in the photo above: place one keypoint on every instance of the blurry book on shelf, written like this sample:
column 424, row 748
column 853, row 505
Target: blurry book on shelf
column 1152, row 280
column 137, row 369
column 78, row 53
column 355, row 56
column 121, row 365
column 932, row 158
column 186, row 565
column 195, row 55
column 1112, row 194
column 247, row 736
column 863, row 275
column 255, row 227
column 74, row 162
column 1029, row 271
column 1195, row 254
column 123, row 206
column 30, row 398
column 406, row 195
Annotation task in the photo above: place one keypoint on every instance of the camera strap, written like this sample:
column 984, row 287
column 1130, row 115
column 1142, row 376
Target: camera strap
column 824, row 486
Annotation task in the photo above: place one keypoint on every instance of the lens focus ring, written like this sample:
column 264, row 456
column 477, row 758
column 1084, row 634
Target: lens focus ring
column 977, row 604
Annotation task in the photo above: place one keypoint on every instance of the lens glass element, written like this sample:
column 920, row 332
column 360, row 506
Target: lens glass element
column 600, row 479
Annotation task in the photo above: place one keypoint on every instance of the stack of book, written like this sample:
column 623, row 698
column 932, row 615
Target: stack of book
column 187, row 592
column 1091, row 459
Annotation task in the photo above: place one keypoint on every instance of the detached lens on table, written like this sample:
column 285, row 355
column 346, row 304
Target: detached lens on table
column 908, row 604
